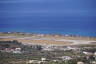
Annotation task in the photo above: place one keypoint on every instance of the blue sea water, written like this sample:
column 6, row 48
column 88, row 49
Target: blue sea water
column 52, row 31
column 76, row 17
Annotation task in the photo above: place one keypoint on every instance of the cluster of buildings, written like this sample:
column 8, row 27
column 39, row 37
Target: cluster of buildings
column 59, row 47
column 11, row 50
column 16, row 49
column 10, row 47
column 43, row 60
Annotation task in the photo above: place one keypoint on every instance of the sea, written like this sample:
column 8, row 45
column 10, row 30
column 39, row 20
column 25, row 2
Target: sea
column 86, row 33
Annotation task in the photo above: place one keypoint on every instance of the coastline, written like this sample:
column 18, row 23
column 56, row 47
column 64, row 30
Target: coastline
column 46, row 39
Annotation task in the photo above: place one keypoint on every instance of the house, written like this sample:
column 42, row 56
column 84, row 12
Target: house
column 43, row 59
column 66, row 58
column 34, row 62
column 12, row 50
column 93, row 62
column 9, row 50
column 80, row 62
column 55, row 60
column 95, row 53
column 31, row 61
column 88, row 53
column 17, row 50
column 48, row 48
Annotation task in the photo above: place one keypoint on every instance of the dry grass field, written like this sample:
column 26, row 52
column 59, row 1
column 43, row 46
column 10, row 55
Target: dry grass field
column 46, row 39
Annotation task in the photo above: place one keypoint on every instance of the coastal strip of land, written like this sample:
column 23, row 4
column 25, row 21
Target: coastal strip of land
column 45, row 39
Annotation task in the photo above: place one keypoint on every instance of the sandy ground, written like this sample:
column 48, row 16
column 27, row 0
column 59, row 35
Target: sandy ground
column 48, row 39
column 34, row 41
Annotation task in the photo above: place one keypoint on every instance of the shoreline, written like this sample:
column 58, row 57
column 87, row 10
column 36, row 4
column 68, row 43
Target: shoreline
column 56, row 39
column 50, row 33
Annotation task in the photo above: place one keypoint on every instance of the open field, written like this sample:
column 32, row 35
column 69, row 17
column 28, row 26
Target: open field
column 46, row 39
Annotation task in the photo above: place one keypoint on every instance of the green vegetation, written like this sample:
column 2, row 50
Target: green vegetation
column 87, row 45
column 35, row 53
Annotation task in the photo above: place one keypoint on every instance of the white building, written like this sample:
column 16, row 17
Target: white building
column 95, row 53
column 80, row 62
column 43, row 59
column 66, row 58
column 17, row 50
